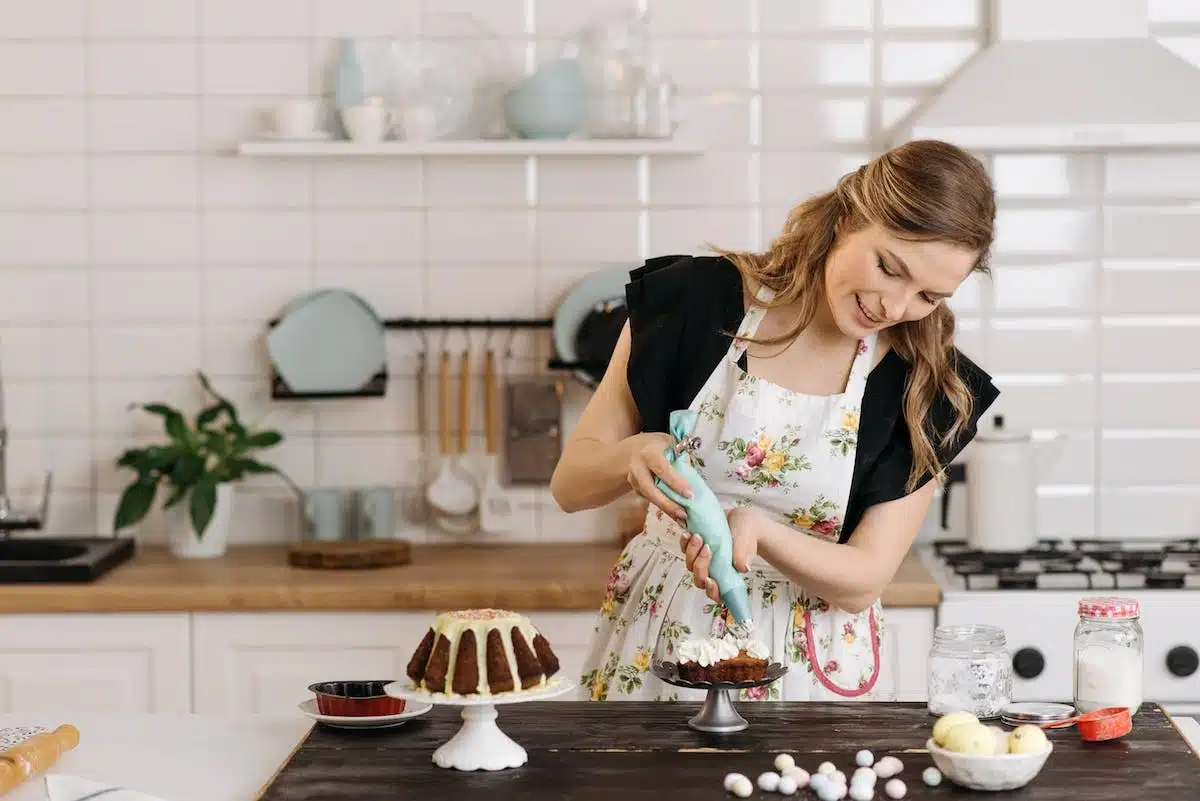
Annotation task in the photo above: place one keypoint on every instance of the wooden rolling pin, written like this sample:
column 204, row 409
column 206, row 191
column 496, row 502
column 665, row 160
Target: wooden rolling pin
column 35, row 755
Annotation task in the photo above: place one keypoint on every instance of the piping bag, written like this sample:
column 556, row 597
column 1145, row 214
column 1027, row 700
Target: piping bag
column 706, row 518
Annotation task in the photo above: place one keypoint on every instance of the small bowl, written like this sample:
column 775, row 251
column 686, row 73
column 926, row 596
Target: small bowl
column 353, row 699
column 996, row 772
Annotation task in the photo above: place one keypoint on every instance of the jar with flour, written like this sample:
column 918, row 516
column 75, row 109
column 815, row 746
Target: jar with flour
column 1108, row 654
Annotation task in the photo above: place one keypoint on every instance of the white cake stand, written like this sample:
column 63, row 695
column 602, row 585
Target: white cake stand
column 479, row 744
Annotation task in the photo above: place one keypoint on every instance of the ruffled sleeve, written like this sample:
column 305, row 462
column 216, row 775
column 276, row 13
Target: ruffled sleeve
column 888, row 478
column 676, row 306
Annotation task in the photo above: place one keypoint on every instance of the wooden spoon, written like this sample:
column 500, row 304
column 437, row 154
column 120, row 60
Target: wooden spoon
column 495, row 508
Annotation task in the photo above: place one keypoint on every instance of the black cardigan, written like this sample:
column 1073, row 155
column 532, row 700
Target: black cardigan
column 681, row 310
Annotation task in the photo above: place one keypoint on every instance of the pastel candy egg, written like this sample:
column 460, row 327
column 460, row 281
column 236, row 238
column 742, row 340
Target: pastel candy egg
column 864, row 759
column 768, row 782
column 730, row 778
column 895, row 788
column 787, row 785
column 931, row 776
column 742, row 787
column 783, row 762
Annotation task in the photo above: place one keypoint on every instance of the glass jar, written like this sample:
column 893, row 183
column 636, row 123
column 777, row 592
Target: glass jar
column 1108, row 654
column 969, row 670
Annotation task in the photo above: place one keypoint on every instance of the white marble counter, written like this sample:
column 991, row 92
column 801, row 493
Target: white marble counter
column 174, row 757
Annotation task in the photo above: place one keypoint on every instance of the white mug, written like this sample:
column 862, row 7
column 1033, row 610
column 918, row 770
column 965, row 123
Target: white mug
column 367, row 122
column 295, row 119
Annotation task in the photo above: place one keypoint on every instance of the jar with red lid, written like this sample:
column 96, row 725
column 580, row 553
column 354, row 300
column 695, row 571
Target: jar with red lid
column 1108, row 654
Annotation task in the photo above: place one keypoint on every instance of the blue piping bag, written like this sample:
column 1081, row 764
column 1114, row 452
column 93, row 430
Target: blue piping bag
column 706, row 518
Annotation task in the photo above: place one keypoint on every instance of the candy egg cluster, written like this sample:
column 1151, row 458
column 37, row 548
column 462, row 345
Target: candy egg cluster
column 828, row 783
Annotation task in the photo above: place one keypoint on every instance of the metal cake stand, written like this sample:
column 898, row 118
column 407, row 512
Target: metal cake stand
column 718, row 714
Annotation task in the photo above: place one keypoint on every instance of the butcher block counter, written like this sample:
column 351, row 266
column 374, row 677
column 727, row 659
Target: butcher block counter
column 550, row 577
column 631, row 751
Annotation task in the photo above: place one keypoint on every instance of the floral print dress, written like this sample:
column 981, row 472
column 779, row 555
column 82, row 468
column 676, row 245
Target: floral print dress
column 791, row 456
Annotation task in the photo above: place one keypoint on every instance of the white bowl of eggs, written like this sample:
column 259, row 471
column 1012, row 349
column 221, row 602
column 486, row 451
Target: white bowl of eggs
column 981, row 757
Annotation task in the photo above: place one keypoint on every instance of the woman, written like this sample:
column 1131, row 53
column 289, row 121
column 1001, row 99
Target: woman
column 820, row 424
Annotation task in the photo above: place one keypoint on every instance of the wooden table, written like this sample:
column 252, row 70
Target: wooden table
column 626, row 751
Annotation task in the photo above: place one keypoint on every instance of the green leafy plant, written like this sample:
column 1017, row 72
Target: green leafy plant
column 216, row 449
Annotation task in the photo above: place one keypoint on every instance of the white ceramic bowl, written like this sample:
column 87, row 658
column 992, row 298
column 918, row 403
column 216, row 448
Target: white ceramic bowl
column 996, row 772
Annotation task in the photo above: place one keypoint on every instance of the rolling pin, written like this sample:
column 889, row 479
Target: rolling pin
column 35, row 755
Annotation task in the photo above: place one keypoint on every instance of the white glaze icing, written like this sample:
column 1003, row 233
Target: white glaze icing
column 706, row 651
column 454, row 624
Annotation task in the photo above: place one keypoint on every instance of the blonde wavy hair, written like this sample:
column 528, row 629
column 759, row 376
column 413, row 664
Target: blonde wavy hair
column 923, row 190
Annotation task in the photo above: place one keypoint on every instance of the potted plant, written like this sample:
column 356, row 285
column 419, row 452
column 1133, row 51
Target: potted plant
column 197, row 465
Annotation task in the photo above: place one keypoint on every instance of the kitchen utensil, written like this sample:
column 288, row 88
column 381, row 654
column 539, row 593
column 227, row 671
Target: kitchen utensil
column 416, row 505
column 495, row 508
column 1003, row 471
column 35, row 755
column 480, row 744
column 588, row 323
column 350, row 555
column 1109, row 723
column 994, row 772
column 469, row 522
column 328, row 341
column 533, row 434
column 450, row 493
column 718, row 713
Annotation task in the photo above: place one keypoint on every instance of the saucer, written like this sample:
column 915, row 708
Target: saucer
column 412, row 710
column 315, row 136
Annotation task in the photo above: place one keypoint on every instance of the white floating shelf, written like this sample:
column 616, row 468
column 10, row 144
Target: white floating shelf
column 478, row 147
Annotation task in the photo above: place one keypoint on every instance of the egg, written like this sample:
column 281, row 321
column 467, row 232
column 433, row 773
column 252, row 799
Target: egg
column 838, row 777
column 931, row 776
column 768, row 782
column 861, row 792
column 1001, row 738
column 1027, row 739
column 730, row 778
column 971, row 738
column 895, row 788
column 742, row 787
column 818, row 781
column 787, row 785
column 945, row 723
column 798, row 775
column 888, row 767
column 864, row 774
column 826, row 768
column 783, row 762
column 864, row 759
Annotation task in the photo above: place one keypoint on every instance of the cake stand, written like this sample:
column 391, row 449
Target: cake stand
column 479, row 744
column 718, row 714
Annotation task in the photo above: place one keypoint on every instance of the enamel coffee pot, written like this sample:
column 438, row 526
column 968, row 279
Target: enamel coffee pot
column 1003, row 472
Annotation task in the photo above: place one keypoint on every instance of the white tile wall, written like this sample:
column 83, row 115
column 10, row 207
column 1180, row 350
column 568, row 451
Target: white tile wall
column 134, row 249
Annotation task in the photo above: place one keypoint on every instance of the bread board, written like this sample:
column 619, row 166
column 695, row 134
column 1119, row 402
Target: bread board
column 350, row 555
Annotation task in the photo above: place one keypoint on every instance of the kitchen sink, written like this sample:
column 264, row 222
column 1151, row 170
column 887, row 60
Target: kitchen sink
column 55, row 560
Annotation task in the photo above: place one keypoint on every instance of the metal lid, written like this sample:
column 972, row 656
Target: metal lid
column 1034, row 712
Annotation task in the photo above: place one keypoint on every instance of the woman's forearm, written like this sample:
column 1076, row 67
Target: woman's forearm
column 842, row 574
column 591, row 473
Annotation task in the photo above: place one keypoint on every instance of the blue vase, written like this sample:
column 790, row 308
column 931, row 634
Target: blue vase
column 348, row 90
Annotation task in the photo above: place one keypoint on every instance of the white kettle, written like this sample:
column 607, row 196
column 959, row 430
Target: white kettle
column 1003, row 470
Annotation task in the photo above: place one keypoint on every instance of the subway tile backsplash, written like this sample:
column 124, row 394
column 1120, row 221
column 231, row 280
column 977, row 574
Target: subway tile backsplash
column 135, row 248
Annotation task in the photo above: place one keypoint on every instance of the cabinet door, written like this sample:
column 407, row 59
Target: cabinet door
column 257, row 663
column 907, row 637
column 262, row 663
column 82, row 663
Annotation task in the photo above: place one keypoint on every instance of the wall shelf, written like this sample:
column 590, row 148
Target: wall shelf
column 476, row 148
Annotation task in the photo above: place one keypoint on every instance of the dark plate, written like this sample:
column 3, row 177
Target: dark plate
column 669, row 672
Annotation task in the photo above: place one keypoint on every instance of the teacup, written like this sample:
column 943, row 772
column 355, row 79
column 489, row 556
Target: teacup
column 367, row 122
column 295, row 119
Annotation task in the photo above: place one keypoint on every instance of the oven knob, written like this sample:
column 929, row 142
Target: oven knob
column 1028, row 663
column 1182, row 661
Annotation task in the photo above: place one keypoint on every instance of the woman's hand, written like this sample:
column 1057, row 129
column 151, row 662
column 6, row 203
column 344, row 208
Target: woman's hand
column 648, row 460
column 745, row 547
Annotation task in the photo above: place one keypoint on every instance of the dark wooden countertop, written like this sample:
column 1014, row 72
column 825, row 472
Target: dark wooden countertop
column 534, row 577
column 632, row 751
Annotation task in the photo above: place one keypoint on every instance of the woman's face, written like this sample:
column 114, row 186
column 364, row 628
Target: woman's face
column 874, row 279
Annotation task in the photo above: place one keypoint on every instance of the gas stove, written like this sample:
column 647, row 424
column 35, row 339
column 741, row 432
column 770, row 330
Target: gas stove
column 1082, row 564
column 1033, row 595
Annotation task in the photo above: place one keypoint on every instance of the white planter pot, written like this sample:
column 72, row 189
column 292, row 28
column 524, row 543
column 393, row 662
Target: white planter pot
column 181, row 537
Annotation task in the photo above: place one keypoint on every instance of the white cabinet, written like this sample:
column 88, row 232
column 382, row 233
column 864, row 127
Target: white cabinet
column 907, row 638
column 263, row 662
column 82, row 663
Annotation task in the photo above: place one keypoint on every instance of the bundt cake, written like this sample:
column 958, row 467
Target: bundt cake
column 482, row 652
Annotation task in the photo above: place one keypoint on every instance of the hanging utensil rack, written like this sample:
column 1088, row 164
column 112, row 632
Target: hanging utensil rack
column 376, row 387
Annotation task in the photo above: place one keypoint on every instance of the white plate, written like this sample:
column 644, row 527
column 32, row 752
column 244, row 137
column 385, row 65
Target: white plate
column 315, row 136
column 412, row 709
column 553, row 689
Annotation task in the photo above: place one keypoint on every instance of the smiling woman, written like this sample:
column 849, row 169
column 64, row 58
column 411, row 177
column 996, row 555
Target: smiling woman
column 827, row 393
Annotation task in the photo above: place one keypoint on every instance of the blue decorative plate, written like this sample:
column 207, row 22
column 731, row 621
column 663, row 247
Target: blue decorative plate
column 328, row 341
column 603, row 288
